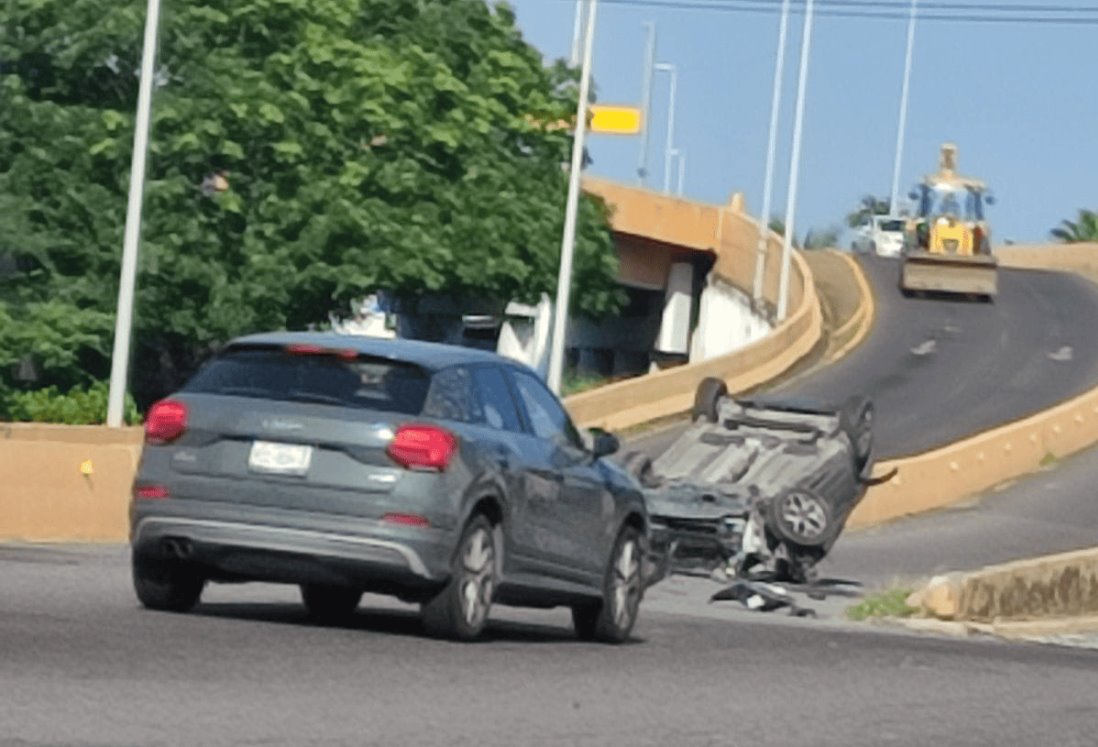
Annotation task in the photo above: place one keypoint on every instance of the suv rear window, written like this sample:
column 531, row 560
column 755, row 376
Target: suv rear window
column 273, row 373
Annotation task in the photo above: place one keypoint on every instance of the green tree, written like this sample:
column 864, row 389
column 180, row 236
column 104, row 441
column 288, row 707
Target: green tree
column 867, row 208
column 826, row 238
column 1084, row 228
column 303, row 153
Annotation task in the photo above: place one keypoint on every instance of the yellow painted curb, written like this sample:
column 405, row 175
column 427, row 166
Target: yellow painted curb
column 942, row 477
column 864, row 315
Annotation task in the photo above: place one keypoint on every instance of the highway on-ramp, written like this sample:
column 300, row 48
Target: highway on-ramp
column 941, row 369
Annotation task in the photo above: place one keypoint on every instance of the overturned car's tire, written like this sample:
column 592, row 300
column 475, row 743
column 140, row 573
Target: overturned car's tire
column 707, row 399
column 639, row 465
column 856, row 420
column 803, row 518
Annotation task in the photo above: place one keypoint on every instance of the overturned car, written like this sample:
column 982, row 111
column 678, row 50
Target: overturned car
column 756, row 486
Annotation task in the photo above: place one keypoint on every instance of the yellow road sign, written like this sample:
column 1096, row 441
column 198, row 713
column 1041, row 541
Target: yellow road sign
column 605, row 120
column 615, row 120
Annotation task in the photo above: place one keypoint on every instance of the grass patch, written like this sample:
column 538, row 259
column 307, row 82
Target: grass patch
column 574, row 383
column 889, row 603
column 1049, row 459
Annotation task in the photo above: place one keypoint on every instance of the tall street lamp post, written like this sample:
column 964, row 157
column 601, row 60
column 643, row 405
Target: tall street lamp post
column 669, row 143
column 894, row 199
column 771, row 151
column 123, row 327
column 568, row 240
column 795, row 163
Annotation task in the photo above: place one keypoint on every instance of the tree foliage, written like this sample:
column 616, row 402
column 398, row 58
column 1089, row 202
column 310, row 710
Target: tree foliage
column 822, row 238
column 867, row 208
column 364, row 144
column 1082, row 229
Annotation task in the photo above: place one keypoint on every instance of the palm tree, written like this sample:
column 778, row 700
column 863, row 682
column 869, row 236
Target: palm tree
column 867, row 208
column 1076, row 231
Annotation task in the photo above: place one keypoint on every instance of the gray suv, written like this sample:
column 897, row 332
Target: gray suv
column 441, row 475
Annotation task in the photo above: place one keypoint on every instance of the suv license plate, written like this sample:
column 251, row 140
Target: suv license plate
column 280, row 459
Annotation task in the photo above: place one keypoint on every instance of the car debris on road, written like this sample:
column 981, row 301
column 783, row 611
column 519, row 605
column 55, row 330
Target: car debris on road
column 756, row 488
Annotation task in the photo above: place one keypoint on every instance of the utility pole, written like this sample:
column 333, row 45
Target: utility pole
column 568, row 240
column 123, row 326
column 795, row 164
column 646, row 102
column 894, row 200
column 771, row 152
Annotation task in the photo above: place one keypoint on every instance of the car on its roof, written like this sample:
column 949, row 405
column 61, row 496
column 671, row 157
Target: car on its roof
column 448, row 477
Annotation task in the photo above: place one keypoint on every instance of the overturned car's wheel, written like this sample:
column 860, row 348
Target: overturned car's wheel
column 461, row 609
column 802, row 518
column 707, row 399
column 612, row 619
column 856, row 420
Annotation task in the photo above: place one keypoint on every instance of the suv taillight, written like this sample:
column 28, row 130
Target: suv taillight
column 166, row 421
column 422, row 447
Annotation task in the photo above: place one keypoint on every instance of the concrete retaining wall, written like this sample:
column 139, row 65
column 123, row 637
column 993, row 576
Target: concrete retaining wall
column 1055, row 586
column 66, row 483
column 1079, row 258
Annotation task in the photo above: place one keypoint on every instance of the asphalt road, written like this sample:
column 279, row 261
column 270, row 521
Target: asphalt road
column 939, row 370
column 1055, row 510
column 81, row 665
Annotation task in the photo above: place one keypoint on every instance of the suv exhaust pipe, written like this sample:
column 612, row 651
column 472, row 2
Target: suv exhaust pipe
column 177, row 547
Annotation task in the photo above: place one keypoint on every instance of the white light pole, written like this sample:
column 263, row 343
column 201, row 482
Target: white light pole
column 894, row 200
column 670, row 139
column 771, row 152
column 646, row 102
column 681, row 154
column 120, row 357
column 577, row 33
column 568, row 240
column 795, row 164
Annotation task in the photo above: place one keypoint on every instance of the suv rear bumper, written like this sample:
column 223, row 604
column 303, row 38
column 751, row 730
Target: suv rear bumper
column 233, row 550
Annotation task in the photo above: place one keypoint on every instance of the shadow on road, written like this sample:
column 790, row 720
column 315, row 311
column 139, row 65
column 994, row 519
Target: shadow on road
column 386, row 621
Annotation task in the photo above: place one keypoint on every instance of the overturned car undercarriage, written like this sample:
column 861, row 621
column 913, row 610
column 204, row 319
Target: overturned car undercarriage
column 756, row 488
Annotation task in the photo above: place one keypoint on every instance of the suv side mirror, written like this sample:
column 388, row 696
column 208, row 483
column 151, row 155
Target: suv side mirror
column 603, row 443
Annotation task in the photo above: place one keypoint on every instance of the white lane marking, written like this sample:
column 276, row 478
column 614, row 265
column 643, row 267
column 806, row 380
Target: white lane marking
column 925, row 348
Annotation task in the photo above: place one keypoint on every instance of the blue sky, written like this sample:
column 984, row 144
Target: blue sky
column 1018, row 99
